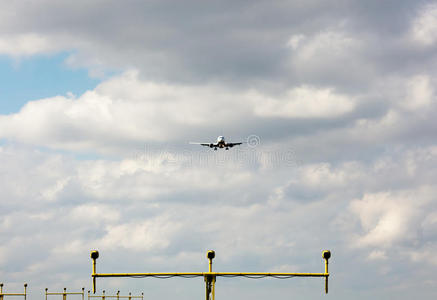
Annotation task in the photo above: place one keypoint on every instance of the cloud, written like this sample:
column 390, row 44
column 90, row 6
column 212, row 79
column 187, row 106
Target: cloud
column 115, row 211
column 333, row 56
column 25, row 45
column 393, row 222
column 154, row 234
column 385, row 218
column 305, row 102
column 125, row 112
column 424, row 26
column 248, row 44
column 420, row 93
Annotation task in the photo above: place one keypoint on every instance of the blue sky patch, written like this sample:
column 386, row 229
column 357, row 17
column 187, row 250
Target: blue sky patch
column 39, row 77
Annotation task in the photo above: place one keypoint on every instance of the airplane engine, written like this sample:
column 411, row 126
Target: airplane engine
column 211, row 145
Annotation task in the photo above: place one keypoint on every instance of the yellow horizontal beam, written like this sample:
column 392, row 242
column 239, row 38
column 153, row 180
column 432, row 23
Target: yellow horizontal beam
column 66, row 293
column 95, row 296
column 13, row 294
column 209, row 274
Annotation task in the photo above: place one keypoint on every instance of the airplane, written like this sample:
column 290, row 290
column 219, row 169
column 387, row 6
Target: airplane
column 221, row 143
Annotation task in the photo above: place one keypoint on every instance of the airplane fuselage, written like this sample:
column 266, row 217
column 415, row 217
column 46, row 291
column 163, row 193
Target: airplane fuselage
column 220, row 143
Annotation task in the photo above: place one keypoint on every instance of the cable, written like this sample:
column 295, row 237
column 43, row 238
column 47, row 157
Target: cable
column 164, row 276
column 226, row 276
column 259, row 276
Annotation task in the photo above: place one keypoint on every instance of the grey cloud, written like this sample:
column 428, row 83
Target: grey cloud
column 258, row 215
column 241, row 43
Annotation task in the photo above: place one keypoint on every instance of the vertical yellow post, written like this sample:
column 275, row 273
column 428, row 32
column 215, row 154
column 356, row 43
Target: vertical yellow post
column 64, row 295
column 1, row 291
column 213, row 288
column 210, row 279
column 94, row 256
column 25, row 291
column 88, row 294
column 142, row 296
column 83, row 293
column 118, row 295
column 130, row 297
column 207, row 288
column 326, row 255
column 326, row 278
column 46, row 292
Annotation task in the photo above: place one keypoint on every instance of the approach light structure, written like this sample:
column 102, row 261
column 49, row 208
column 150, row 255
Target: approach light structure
column 210, row 276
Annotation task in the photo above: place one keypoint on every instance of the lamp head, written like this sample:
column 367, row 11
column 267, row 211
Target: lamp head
column 94, row 254
column 326, row 254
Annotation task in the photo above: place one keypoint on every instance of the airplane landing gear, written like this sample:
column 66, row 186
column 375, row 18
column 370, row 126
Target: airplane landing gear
column 215, row 149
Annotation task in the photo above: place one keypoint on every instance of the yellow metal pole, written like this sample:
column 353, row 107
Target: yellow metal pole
column 326, row 256
column 1, row 291
column 213, row 288
column 209, row 278
column 94, row 256
column 326, row 278
column 64, row 295
column 25, row 291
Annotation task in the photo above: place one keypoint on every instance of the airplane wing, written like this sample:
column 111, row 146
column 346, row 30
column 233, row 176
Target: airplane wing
column 204, row 144
column 233, row 144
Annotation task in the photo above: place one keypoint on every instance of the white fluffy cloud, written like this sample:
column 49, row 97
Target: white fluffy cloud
column 420, row 93
column 388, row 218
column 126, row 111
column 304, row 102
column 424, row 26
column 25, row 45
column 397, row 224
column 154, row 234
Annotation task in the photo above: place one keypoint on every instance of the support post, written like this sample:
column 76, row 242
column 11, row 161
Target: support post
column 209, row 278
column 326, row 256
column 94, row 256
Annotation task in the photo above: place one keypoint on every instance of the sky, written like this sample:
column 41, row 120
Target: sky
column 334, row 101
